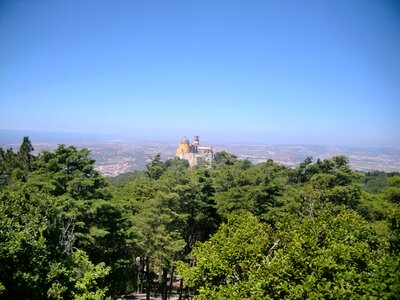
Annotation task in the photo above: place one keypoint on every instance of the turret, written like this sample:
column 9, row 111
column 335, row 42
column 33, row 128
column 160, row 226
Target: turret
column 196, row 140
column 183, row 147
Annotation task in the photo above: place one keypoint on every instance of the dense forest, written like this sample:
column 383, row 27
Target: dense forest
column 232, row 231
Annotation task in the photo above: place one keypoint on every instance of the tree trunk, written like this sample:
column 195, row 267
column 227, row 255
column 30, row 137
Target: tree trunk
column 164, row 283
column 147, row 279
column 141, row 275
column 171, row 282
column 187, row 292
column 180, row 289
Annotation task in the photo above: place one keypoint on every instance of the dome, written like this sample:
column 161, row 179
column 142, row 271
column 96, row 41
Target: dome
column 183, row 148
column 184, row 141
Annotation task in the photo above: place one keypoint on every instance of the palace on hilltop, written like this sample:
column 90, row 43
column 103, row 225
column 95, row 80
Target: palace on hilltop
column 194, row 153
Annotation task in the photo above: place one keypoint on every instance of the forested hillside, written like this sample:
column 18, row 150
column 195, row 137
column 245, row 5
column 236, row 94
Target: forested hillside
column 233, row 231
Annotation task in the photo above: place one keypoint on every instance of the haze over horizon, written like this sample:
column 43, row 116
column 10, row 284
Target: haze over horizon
column 276, row 72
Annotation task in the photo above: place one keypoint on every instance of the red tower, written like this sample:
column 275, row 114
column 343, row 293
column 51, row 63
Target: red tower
column 196, row 140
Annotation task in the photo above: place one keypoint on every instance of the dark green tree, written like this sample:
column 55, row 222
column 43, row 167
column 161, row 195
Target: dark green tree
column 256, row 189
column 392, row 192
column 156, row 167
column 224, row 157
column 25, row 156
column 71, row 208
column 16, row 164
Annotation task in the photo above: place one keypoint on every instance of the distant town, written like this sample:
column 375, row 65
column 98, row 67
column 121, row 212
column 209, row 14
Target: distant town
column 120, row 156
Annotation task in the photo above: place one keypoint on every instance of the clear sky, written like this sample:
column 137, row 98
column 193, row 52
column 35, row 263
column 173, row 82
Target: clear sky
column 311, row 72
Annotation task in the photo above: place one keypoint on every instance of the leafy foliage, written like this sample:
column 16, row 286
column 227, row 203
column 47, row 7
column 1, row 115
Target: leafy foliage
column 236, row 230
column 336, row 255
column 52, row 205
column 76, row 278
column 123, row 178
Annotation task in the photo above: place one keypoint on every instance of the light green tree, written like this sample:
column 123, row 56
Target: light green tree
column 77, row 278
column 336, row 255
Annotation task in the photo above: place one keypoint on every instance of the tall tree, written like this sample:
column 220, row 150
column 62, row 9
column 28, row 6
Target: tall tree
column 25, row 156
column 71, row 207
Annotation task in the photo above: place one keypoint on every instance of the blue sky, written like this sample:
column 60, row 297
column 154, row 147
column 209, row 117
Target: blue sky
column 310, row 72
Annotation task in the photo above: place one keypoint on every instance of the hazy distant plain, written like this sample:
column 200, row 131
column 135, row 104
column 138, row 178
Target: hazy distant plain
column 116, row 156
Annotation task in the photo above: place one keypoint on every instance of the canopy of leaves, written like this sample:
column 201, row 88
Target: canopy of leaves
column 320, row 230
column 335, row 256
column 52, row 205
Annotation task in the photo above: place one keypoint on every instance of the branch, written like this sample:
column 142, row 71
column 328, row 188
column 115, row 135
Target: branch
column 271, row 251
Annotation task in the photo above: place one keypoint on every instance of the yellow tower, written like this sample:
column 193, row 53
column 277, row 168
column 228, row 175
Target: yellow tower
column 184, row 147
